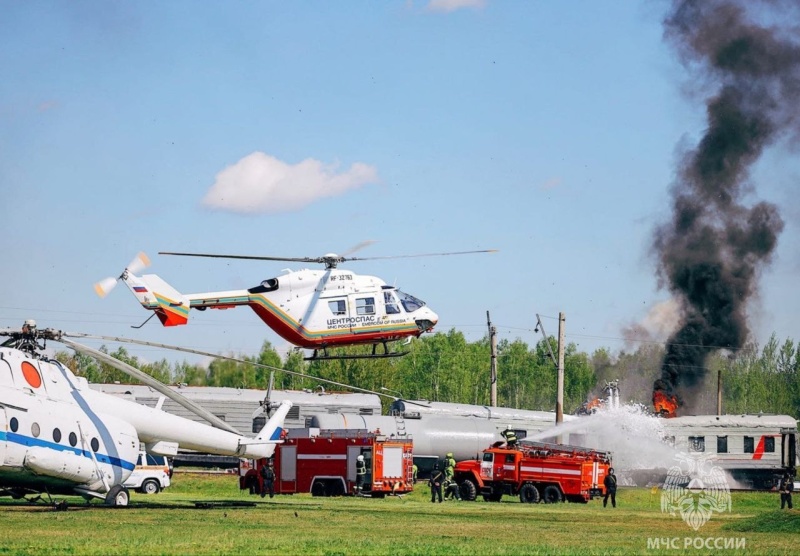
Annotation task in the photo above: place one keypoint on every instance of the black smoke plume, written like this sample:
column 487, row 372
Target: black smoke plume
column 711, row 251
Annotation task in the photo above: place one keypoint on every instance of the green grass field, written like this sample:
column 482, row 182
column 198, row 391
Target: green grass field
column 170, row 523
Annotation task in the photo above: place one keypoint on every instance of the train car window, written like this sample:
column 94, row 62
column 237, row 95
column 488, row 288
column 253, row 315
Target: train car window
column 769, row 443
column 697, row 443
column 722, row 444
column 748, row 445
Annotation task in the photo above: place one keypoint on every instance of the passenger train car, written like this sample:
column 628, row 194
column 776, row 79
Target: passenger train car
column 753, row 449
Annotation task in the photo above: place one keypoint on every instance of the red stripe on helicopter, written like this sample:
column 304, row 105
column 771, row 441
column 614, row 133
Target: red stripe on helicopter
column 293, row 335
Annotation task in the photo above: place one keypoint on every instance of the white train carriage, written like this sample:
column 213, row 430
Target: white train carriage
column 753, row 449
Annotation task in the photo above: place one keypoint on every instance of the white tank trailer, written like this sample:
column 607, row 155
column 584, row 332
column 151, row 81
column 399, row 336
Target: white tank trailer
column 433, row 436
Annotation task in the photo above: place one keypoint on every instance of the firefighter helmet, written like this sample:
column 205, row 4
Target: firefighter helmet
column 360, row 458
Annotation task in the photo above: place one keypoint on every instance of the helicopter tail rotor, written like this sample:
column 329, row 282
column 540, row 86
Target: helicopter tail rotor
column 139, row 263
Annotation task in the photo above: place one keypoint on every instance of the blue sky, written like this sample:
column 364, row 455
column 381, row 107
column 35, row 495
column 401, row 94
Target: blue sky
column 547, row 130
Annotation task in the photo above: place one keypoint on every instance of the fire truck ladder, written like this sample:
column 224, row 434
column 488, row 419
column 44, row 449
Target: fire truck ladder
column 400, row 423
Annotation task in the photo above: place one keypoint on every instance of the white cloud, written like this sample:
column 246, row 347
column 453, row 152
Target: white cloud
column 260, row 183
column 453, row 5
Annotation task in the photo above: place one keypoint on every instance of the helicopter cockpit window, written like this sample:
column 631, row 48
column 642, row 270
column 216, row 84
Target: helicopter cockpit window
column 410, row 303
column 365, row 305
column 392, row 308
column 337, row 307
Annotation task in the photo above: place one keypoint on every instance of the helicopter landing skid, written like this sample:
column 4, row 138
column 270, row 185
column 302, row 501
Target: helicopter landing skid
column 323, row 357
column 317, row 356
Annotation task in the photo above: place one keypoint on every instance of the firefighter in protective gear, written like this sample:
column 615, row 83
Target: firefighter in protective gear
column 361, row 474
column 511, row 437
column 449, row 466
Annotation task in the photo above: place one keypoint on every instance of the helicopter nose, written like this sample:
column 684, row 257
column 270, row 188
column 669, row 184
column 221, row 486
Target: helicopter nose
column 427, row 321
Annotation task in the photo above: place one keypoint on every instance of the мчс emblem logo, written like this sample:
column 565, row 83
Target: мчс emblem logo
column 695, row 489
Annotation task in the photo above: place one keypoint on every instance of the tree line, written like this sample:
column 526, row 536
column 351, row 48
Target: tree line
column 446, row 367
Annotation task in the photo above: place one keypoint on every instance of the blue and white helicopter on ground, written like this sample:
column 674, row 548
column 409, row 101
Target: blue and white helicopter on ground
column 58, row 436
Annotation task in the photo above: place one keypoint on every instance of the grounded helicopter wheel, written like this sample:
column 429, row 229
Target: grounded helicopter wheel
column 150, row 486
column 117, row 496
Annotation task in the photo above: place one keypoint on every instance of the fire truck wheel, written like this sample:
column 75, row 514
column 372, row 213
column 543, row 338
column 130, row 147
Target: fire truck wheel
column 494, row 496
column 468, row 490
column 318, row 488
column 552, row 494
column 528, row 494
column 252, row 486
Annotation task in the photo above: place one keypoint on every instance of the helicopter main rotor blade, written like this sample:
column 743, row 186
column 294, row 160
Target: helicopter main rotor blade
column 246, row 257
column 421, row 255
column 325, row 258
column 150, row 381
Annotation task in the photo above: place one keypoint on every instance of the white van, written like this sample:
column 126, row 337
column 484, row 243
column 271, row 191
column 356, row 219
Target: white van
column 151, row 475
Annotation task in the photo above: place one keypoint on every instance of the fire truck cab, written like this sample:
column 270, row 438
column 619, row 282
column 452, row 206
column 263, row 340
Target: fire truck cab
column 323, row 463
column 534, row 471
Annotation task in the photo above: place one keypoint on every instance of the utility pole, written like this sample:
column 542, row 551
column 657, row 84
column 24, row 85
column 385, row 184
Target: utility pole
column 559, row 363
column 493, row 344
column 560, row 382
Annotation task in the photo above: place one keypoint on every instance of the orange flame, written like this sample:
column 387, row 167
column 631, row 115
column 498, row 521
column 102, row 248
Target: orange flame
column 665, row 404
column 595, row 403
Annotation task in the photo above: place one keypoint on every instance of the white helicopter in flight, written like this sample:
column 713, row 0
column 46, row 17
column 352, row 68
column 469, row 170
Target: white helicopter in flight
column 311, row 309
column 58, row 436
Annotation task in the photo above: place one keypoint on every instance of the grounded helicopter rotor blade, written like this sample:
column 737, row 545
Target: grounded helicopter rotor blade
column 421, row 255
column 216, row 356
column 150, row 381
column 245, row 257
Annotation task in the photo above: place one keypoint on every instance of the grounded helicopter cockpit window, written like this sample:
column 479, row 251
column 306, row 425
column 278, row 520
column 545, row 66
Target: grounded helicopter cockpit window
column 337, row 306
column 410, row 303
column 365, row 306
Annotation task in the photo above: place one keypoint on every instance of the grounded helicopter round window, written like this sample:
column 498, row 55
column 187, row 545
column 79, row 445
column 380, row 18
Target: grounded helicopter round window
column 14, row 424
column 73, row 439
column 95, row 445
column 35, row 430
column 57, row 435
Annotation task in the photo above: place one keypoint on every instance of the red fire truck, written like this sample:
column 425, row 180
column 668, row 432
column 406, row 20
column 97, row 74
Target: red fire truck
column 534, row 471
column 323, row 462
